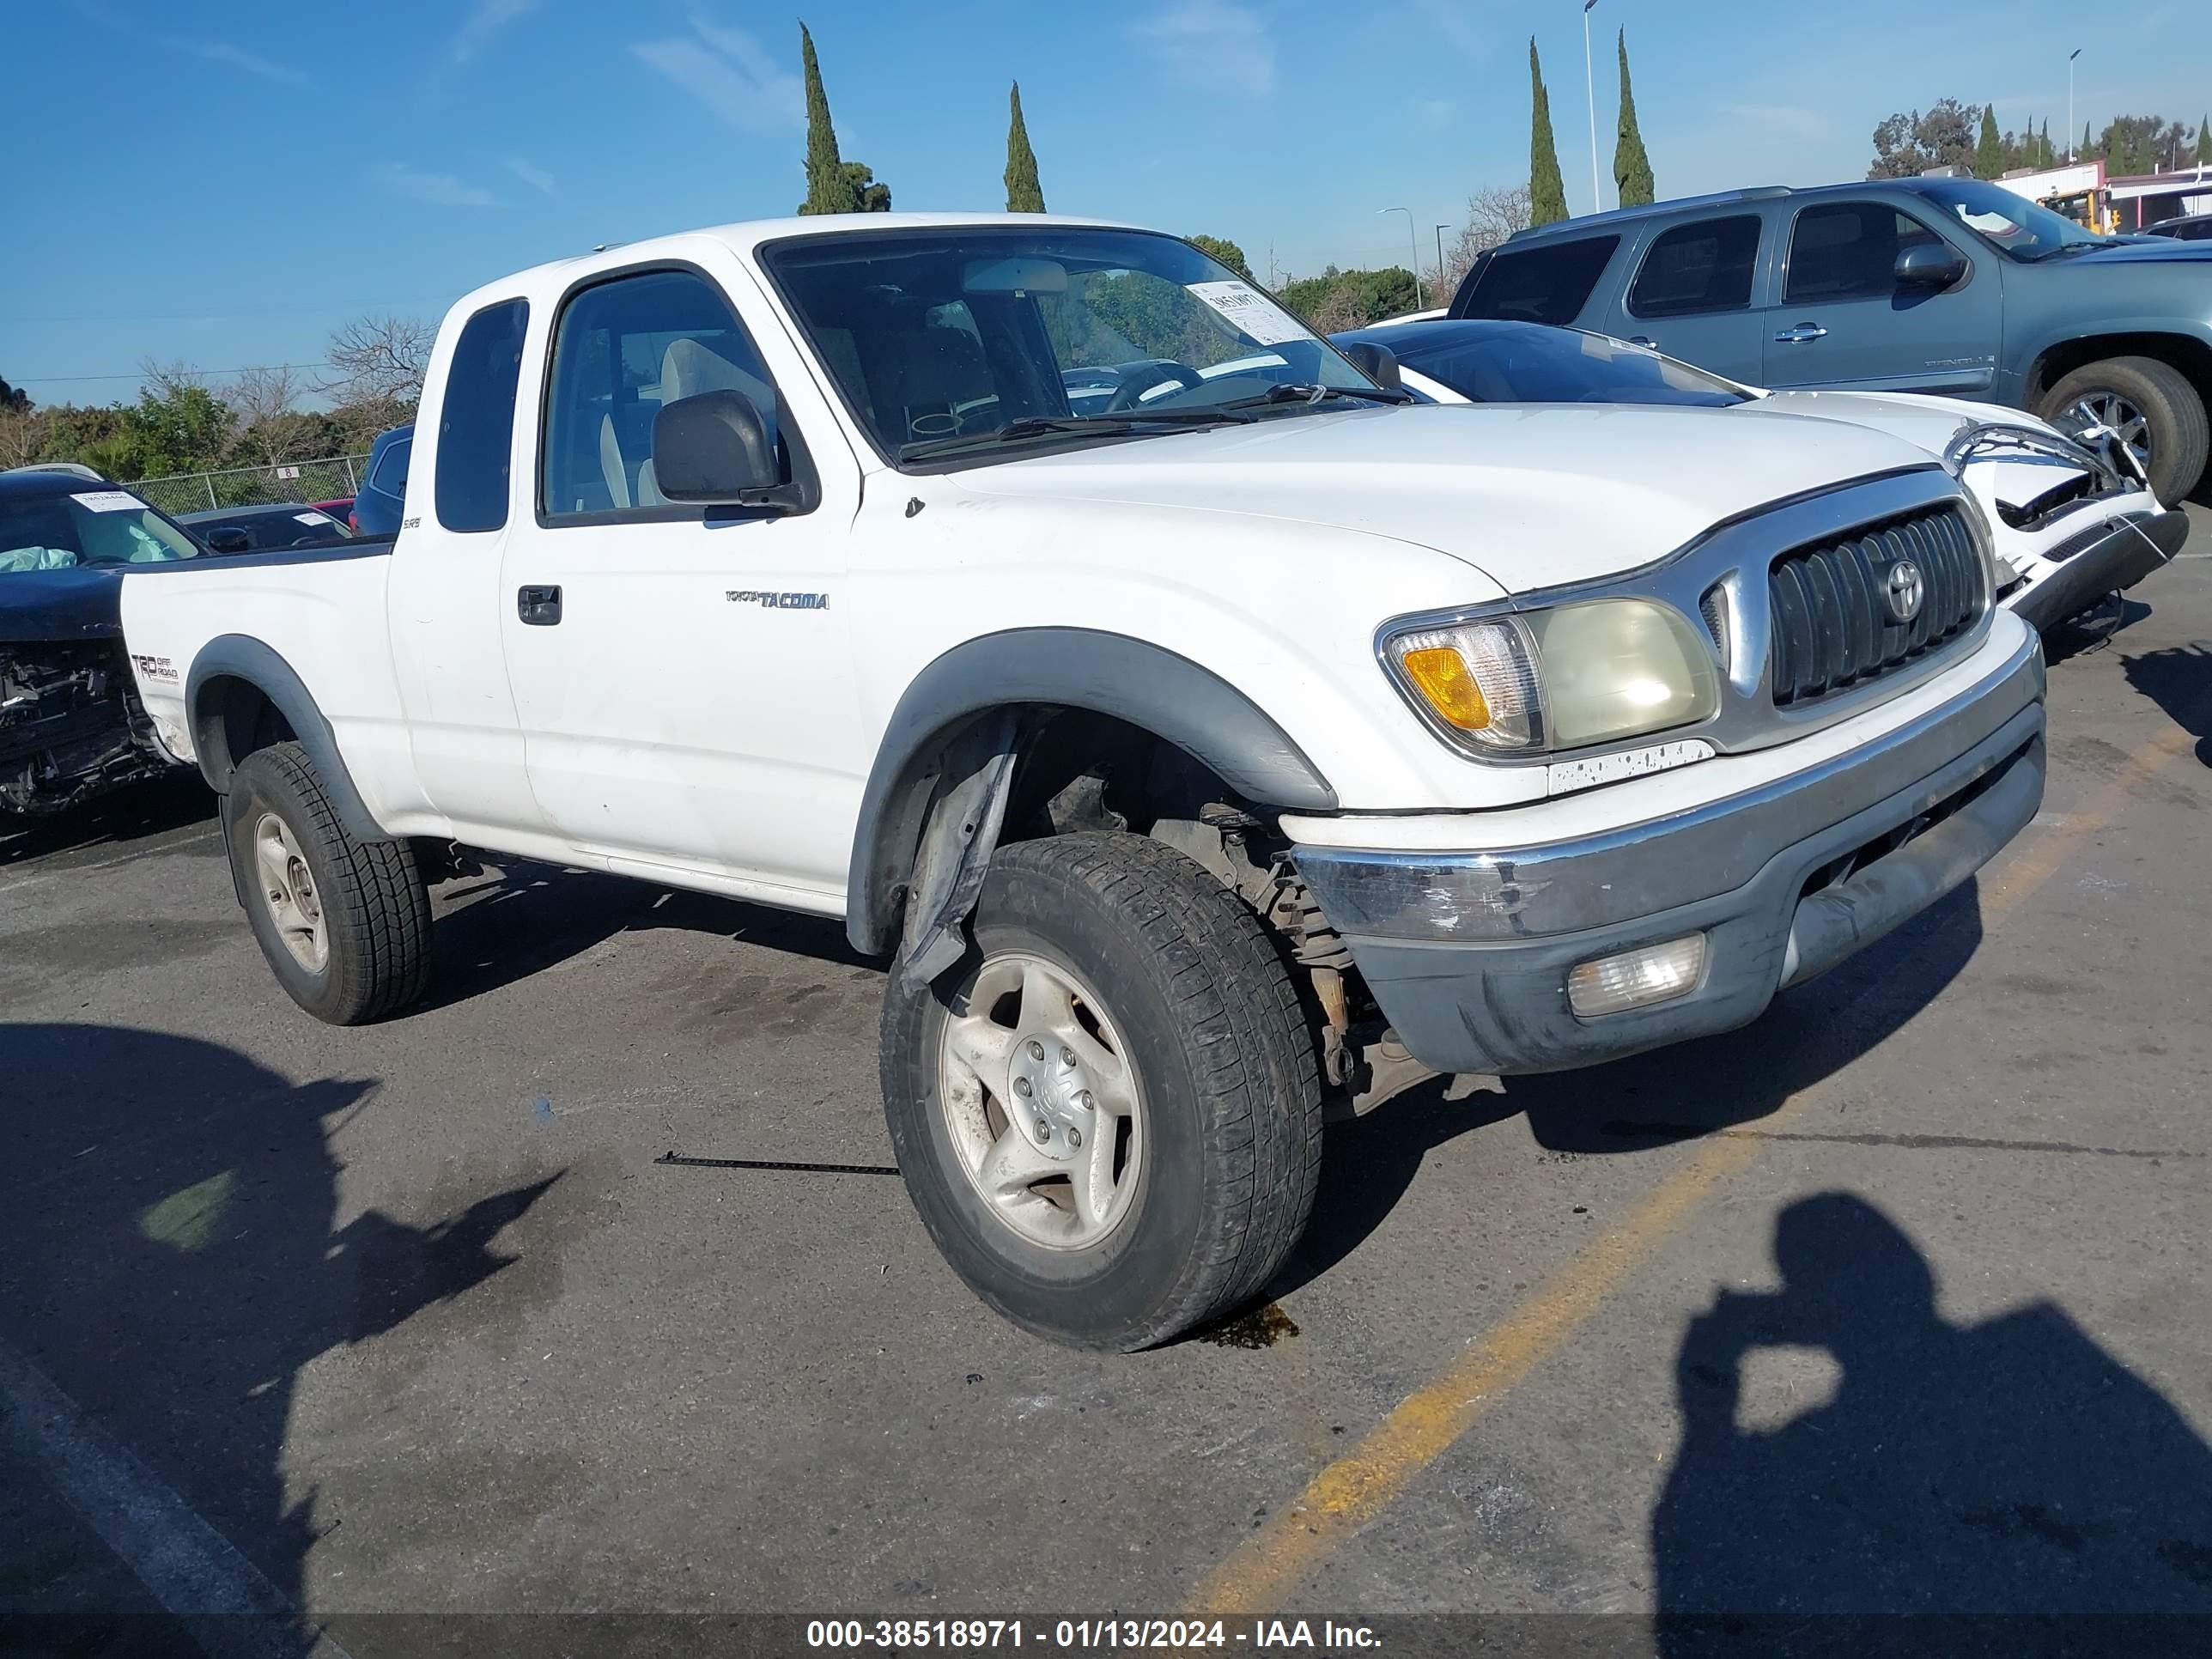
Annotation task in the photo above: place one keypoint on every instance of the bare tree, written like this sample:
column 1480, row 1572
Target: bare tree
column 270, row 427
column 379, row 360
column 1493, row 213
column 22, row 436
column 168, row 380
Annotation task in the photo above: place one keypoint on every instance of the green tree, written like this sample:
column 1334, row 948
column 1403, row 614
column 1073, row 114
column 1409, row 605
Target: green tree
column 1988, row 153
column 831, row 186
column 2201, row 126
column 872, row 197
column 1351, row 299
column 1631, row 166
column 1228, row 253
column 13, row 398
column 2047, row 157
column 2088, row 149
column 1024, row 193
column 1547, row 191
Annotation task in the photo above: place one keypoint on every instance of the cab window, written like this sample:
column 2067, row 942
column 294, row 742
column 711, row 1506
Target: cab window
column 622, row 350
column 1848, row 251
column 1703, row 266
column 476, row 425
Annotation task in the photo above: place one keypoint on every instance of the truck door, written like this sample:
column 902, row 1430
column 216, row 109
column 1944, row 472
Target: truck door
column 1844, row 320
column 1693, row 295
column 442, row 598
column 679, row 671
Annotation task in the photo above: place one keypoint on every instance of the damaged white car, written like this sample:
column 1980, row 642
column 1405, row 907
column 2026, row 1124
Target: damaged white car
column 2071, row 515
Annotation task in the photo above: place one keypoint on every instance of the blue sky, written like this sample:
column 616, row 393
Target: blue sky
column 224, row 181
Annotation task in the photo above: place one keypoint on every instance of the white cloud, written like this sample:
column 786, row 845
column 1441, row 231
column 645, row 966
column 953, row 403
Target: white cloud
column 531, row 174
column 439, row 189
column 485, row 20
column 1214, row 43
column 221, row 51
column 733, row 74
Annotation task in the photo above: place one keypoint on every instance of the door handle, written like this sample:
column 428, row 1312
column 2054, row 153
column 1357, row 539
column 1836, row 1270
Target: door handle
column 539, row 607
column 1803, row 334
column 1644, row 340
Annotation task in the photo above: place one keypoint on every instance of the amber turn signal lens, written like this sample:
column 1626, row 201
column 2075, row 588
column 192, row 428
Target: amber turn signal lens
column 1441, row 675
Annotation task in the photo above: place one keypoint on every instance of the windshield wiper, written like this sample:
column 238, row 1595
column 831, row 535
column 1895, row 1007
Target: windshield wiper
column 1313, row 394
column 1040, row 426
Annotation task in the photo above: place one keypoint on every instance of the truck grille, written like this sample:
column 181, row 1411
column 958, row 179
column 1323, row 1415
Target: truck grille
column 1833, row 624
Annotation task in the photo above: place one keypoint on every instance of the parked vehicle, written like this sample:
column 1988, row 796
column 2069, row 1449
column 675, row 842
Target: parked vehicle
column 1185, row 755
column 2070, row 521
column 1931, row 285
column 2190, row 227
column 71, row 722
column 263, row 529
column 383, row 487
column 339, row 507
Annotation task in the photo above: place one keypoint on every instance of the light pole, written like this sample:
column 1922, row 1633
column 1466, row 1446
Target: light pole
column 1414, row 241
column 2070, row 57
column 1441, row 230
column 1590, row 95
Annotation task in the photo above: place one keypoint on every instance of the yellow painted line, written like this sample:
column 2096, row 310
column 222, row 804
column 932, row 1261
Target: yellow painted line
column 1356, row 1488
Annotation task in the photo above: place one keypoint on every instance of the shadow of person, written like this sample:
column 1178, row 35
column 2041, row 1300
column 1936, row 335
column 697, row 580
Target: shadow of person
column 1977, row 1477
column 2179, row 679
column 171, row 1258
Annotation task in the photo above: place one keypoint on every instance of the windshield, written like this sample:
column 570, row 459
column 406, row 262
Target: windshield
column 2009, row 223
column 89, row 527
column 941, row 338
column 1531, row 364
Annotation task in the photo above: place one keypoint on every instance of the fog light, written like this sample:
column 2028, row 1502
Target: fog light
column 1636, row 979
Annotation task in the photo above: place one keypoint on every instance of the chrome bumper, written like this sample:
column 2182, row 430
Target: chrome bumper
column 1469, row 953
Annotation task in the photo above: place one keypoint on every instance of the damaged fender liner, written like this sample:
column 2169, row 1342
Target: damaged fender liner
column 1168, row 695
column 72, row 725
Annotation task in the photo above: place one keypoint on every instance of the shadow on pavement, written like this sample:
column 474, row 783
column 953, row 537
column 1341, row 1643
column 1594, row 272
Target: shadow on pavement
column 150, row 808
column 171, row 1258
column 1993, row 1474
column 522, row 919
column 2179, row 679
column 1649, row 1100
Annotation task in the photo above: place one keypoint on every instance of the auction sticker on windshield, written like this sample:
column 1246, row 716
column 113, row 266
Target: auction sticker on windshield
column 109, row 501
column 1251, row 313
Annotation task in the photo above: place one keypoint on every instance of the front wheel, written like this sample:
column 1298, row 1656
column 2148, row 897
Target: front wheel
column 1109, row 1116
column 2151, row 405
column 344, row 924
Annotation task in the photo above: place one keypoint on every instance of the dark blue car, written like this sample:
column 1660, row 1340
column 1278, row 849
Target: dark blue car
column 72, row 725
column 382, row 497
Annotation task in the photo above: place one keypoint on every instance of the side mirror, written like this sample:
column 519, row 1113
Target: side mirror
column 1378, row 363
column 228, row 539
column 715, row 449
column 1930, row 266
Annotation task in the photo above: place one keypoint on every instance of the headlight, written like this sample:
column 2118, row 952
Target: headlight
column 1566, row 677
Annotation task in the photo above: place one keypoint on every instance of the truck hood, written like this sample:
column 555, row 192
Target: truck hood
column 78, row 603
column 1930, row 423
column 1532, row 495
column 2154, row 250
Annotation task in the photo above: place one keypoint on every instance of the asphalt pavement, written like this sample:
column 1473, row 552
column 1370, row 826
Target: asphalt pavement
column 1895, row 1301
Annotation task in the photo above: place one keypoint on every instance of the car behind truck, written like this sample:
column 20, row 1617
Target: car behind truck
column 1187, row 754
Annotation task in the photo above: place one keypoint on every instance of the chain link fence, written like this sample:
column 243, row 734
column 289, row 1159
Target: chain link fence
column 252, row 486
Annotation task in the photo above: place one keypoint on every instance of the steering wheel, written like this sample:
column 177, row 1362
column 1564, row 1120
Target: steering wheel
column 1143, row 378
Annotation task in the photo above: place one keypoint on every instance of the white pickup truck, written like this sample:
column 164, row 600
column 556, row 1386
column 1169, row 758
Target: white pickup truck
column 1188, row 752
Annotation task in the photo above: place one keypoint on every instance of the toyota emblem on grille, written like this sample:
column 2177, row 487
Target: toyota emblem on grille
column 1903, row 590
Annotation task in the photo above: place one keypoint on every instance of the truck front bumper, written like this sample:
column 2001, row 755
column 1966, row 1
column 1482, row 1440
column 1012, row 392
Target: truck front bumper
column 2111, row 557
column 1469, row 954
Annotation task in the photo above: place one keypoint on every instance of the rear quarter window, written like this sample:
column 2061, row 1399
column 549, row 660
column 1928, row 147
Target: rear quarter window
column 1703, row 266
column 475, row 423
column 1547, row 282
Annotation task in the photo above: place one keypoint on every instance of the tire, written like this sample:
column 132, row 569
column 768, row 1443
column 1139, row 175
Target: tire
column 2171, row 410
column 374, row 911
column 1221, row 1158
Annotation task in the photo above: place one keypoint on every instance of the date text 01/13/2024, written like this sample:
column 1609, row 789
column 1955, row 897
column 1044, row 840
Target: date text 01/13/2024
column 1086, row 1635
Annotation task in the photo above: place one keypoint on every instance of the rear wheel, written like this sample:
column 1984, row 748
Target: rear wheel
column 1109, row 1116
column 344, row 924
column 2153, row 407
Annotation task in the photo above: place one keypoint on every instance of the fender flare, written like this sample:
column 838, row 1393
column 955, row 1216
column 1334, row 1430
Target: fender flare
column 1170, row 695
column 239, row 657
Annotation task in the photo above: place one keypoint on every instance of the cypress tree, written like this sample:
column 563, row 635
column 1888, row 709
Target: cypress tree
column 2201, row 125
column 1547, row 191
column 2088, row 149
column 2047, row 156
column 1631, row 166
column 1989, row 155
column 1024, row 193
column 829, row 187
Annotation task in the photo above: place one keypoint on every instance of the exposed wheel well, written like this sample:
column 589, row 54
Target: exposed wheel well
column 233, row 719
column 2193, row 358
